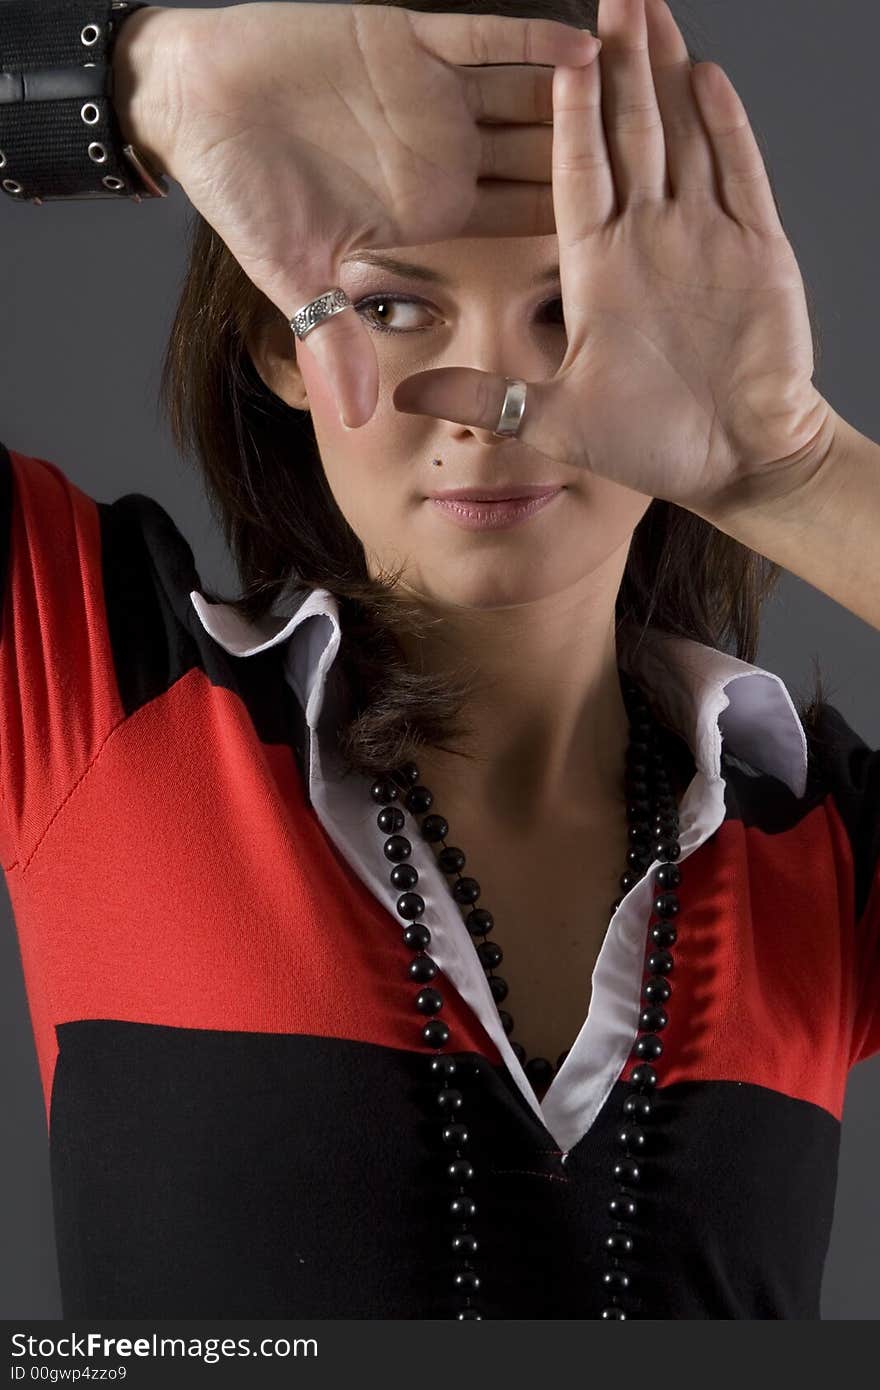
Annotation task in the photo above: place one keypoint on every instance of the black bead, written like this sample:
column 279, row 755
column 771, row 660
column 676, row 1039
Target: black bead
column 622, row 1208
column 434, row 828
column 429, row 1001
column 465, row 1243
column 417, row 936
column 619, row 1243
column 649, row 1047
column 442, row 1066
column 451, row 859
column 490, row 954
column 384, row 789
column 469, row 1315
column 667, row 849
column 615, row 1279
column 664, row 934
column 668, row 876
column 480, row 921
column 666, row 905
column 460, row 1170
column 435, row 1033
column 659, row 962
column 499, row 987
column 519, row 1052
column 390, row 819
column 657, row 989
column 397, row 848
column 465, row 890
column 628, row 1171
column 643, row 1075
column 418, row 800
column 409, row 772
column 467, row 1281
column 450, row 1098
column 613, row 1312
column 455, row 1135
column 410, row 905
column 422, row 969
column 506, row 1020
column 632, row 1138
column 652, row 1019
column 404, row 876
column 539, row 1071
column 462, row 1207
column 638, row 1106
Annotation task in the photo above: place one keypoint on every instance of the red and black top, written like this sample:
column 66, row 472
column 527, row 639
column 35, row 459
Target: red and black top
column 233, row 1070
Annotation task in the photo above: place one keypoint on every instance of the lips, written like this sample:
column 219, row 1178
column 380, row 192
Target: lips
column 499, row 493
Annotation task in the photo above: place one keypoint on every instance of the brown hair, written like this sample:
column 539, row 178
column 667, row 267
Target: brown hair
column 286, row 533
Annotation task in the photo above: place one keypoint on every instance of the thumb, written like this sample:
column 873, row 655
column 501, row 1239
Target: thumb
column 344, row 353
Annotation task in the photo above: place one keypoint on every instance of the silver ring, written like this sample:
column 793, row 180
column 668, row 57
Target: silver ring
column 513, row 408
column 317, row 310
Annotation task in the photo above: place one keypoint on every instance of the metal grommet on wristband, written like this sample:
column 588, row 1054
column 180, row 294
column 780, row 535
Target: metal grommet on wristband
column 47, row 108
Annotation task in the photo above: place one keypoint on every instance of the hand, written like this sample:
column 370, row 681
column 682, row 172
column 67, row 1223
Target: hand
column 689, row 357
column 303, row 132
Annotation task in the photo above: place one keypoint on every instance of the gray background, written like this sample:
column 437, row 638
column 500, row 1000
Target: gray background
column 87, row 295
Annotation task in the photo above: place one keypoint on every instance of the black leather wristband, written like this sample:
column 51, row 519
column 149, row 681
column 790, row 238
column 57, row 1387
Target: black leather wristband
column 59, row 134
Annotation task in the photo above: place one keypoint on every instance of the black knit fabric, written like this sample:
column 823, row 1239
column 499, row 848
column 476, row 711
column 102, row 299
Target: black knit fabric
column 45, row 142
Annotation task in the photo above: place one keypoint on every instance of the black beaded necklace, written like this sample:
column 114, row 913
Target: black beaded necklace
column 652, row 815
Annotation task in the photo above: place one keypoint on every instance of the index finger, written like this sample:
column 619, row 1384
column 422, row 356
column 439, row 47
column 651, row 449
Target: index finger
column 509, row 94
column 468, row 39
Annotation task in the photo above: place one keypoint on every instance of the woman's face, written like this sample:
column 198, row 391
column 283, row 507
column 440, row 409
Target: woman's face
column 493, row 304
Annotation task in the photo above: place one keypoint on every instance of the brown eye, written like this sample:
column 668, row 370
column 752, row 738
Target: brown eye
column 386, row 304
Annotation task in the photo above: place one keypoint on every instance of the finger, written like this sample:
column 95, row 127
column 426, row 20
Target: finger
column 516, row 152
column 466, row 396
column 741, row 172
column 689, row 157
column 342, row 348
column 486, row 38
column 509, row 95
column 584, row 195
column 633, row 126
column 511, row 209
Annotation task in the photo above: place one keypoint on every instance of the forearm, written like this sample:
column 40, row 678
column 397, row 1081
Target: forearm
column 826, row 528
column 145, row 60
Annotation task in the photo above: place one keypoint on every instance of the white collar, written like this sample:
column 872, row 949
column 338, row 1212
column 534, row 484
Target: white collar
column 704, row 694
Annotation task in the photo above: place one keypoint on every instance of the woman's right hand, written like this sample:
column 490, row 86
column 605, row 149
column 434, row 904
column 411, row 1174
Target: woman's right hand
column 302, row 132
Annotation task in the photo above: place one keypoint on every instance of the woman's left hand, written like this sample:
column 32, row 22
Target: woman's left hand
column 689, row 360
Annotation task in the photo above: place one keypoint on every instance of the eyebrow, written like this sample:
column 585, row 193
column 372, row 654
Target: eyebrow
column 421, row 272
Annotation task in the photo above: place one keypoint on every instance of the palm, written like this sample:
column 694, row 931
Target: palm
column 706, row 358
column 376, row 109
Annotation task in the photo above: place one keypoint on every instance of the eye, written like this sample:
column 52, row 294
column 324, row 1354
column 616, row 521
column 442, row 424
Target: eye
column 370, row 308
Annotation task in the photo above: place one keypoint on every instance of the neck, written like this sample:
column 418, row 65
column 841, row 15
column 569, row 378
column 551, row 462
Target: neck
column 549, row 725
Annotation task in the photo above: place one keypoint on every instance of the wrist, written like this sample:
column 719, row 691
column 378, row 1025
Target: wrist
column 143, row 67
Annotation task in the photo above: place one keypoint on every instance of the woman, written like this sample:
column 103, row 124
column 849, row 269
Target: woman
column 266, row 1097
